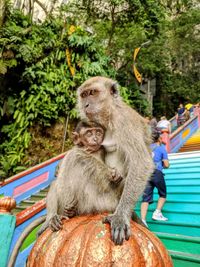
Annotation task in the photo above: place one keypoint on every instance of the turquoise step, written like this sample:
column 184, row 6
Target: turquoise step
column 167, row 178
column 184, row 206
column 184, row 182
column 174, row 164
column 184, row 189
column 182, row 243
column 182, row 175
column 176, row 216
column 181, row 259
column 182, row 170
column 177, row 196
column 175, row 228
column 187, row 161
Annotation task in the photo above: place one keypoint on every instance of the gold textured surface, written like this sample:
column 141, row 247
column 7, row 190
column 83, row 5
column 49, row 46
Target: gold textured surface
column 86, row 242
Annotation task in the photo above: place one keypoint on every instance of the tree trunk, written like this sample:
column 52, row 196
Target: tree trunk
column 2, row 11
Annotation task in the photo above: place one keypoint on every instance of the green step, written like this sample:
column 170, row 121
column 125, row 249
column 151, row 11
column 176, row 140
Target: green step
column 19, row 207
column 174, row 228
column 181, row 259
column 28, row 202
column 36, row 198
column 182, row 243
column 16, row 210
column 40, row 194
column 24, row 205
column 45, row 189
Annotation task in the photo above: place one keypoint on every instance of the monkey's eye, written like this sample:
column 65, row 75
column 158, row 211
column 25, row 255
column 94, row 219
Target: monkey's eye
column 98, row 133
column 84, row 94
column 93, row 92
column 89, row 133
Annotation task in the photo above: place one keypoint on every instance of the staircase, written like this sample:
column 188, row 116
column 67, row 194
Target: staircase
column 181, row 233
column 193, row 144
column 30, row 201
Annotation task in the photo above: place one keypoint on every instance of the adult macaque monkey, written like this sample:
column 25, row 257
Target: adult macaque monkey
column 126, row 142
column 84, row 183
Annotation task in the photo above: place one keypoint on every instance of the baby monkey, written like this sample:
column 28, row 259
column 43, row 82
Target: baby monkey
column 84, row 183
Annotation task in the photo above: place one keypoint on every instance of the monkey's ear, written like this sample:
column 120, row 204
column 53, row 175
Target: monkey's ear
column 75, row 138
column 114, row 89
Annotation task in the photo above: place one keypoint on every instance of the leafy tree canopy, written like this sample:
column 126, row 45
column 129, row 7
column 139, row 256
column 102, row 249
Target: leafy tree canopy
column 41, row 64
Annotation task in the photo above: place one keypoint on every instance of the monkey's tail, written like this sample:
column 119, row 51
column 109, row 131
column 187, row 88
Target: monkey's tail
column 21, row 239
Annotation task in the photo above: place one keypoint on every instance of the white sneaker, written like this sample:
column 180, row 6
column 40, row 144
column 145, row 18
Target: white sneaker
column 145, row 223
column 157, row 215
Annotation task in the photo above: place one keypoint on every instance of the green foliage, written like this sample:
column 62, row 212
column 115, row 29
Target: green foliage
column 42, row 64
column 41, row 86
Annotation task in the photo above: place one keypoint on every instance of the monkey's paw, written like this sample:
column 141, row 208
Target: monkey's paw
column 116, row 178
column 120, row 228
column 56, row 223
column 69, row 213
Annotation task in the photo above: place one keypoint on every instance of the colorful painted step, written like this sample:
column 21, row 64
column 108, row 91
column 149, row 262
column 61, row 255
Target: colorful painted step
column 31, row 200
column 192, row 144
column 188, row 247
column 185, row 244
column 181, row 233
column 182, row 208
column 184, row 259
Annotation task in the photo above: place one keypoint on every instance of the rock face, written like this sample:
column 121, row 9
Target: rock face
column 85, row 241
column 38, row 8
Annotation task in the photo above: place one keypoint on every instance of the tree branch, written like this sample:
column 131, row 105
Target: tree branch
column 42, row 6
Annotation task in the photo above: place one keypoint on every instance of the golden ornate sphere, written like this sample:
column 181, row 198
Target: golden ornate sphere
column 7, row 204
column 85, row 241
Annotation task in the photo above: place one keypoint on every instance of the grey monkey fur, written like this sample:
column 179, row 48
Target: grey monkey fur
column 127, row 132
column 84, row 182
column 85, row 178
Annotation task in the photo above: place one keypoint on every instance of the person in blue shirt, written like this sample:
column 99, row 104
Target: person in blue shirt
column 160, row 158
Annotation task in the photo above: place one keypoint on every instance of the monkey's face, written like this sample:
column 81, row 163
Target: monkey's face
column 91, row 138
column 95, row 99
